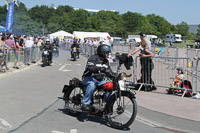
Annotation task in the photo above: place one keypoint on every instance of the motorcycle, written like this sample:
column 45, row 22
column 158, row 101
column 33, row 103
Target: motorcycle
column 119, row 108
column 74, row 53
column 55, row 51
column 45, row 58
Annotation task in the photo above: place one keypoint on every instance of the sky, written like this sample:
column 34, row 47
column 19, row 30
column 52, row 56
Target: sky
column 174, row 11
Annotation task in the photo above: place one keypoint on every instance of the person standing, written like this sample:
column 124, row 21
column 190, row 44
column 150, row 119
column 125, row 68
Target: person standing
column 17, row 52
column 3, row 49
column 146, row 63
column 11, row 43
column 27, row 53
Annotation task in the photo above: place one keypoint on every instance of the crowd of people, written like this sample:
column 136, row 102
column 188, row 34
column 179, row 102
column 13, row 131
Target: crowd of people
column 17, row 45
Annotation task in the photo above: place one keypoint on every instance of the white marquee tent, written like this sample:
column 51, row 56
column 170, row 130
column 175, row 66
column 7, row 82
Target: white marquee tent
column 60, row 34
column 82, row 35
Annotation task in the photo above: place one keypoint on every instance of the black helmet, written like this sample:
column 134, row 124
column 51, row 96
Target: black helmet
column 103, row 49
column 180, row 69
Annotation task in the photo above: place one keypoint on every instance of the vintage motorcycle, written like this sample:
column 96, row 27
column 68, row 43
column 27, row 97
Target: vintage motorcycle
column 120, row 107
column 74, row 53
column 45, row 58
column 55, row 51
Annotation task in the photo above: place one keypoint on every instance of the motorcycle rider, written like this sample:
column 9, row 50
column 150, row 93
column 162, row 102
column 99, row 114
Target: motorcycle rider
column 75, row 44
column 97, row 67
column 55, row 45
column 47, row 46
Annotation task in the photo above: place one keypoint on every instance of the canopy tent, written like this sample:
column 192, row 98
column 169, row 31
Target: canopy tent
column 102, row 35
column 2, row 29
column 60, row 34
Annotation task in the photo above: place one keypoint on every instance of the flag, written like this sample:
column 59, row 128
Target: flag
column 43, row 31
column 9, row 18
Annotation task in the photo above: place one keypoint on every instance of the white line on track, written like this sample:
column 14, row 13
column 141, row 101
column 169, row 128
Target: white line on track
column 61, row 68
column 66, row 70
column 56, row 132
column 4, row 124
column 73, row 131
column 68, row 64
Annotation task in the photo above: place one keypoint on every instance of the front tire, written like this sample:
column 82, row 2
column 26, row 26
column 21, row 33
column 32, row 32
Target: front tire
column 74, row 56
column 121, row 108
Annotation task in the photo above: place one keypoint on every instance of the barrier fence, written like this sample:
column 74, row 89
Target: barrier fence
column 164, row 68
column 17, row 57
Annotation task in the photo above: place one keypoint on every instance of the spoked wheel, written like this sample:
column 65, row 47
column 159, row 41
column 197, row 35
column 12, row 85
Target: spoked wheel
column 73, row 100
column 122, row 111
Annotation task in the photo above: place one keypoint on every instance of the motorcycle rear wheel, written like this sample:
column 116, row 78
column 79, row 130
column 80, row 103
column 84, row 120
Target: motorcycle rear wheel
column 73, row 99
column 122, row 111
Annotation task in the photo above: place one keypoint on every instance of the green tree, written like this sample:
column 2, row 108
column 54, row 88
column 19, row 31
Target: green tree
column 182, row 28
column 198, row 30
column 160, row 25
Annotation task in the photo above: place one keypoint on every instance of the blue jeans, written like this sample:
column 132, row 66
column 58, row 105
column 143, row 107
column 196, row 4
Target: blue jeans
column 91, row 86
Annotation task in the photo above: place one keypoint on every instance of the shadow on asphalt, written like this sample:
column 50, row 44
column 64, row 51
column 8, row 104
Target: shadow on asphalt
column 82, row 117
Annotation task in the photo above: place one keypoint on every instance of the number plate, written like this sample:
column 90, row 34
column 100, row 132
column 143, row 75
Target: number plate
column 121, row 85
column 45, row 52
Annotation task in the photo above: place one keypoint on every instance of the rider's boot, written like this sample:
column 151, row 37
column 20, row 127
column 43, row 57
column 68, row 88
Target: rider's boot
column 85, row 107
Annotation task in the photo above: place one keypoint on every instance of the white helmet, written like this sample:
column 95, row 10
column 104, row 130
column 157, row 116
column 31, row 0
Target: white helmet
column 47, row 40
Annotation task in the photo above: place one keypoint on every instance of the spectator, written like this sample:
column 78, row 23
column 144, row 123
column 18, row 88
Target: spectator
column 17, row 52
column 179, row 76
column 143, row 37
column 3, row 48
column 146, row 64
column 27, row 53
column 11, row 43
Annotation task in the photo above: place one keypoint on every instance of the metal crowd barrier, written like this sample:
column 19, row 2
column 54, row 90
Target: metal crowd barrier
column 197, row 77
column 159, row 72
column 163, row 68
column 16, row 57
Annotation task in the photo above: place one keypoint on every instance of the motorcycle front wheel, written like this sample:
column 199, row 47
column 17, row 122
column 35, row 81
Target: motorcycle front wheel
column 74, row 56
column 73, row 100
column 122, row 111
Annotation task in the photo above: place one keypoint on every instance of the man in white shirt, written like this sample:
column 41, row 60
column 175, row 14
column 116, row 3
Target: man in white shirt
column 143, row 37
column 27, row 52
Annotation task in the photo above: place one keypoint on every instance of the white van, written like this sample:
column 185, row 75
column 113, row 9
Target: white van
column 173, row 37
column 152, row 38
column 135, row 41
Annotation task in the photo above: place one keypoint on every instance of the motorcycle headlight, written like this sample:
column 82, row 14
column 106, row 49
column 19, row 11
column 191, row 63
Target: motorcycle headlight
column 123, row 76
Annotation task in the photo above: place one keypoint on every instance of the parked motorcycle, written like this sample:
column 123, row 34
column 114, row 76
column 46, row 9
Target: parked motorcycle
column 120, row 107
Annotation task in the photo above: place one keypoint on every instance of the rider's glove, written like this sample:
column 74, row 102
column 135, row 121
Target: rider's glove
column 110, row 73
column 102, row 69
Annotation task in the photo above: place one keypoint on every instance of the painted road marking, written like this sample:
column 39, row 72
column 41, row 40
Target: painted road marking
column 68, row 64
column 66, row 70
column 4, row 124
column 61, row 68
column 56, row 132
column 77, row 64
column 73, row 131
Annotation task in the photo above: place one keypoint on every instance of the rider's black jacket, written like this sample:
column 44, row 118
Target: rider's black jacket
column 54, row 44
column 75, row 45
column 47, row 47
column 97, row 68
